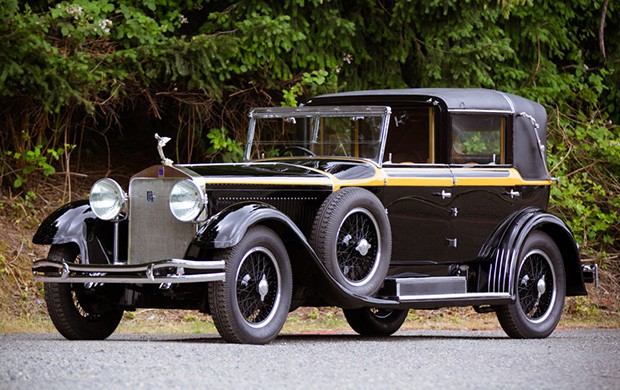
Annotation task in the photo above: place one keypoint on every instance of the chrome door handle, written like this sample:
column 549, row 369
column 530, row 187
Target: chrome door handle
column 512, row 194
column 443, row 194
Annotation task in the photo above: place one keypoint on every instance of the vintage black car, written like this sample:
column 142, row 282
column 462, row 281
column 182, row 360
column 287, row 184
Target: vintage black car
column 374, row 201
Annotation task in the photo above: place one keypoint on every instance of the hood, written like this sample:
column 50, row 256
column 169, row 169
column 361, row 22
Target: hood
column 289, row 172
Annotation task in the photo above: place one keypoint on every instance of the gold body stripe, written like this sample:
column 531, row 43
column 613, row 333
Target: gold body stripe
column 411, row 176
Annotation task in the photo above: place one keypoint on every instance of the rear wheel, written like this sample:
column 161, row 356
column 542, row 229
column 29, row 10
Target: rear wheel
column 252, row 304
column 78, row 314
column 375, row 322
column 540, row 287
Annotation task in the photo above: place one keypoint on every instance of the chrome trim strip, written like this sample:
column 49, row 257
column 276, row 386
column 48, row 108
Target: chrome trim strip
column 455, row 297
column 139, row 274
column 474, row 111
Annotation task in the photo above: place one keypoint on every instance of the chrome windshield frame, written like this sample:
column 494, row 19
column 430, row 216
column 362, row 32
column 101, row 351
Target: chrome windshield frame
column 317, row 112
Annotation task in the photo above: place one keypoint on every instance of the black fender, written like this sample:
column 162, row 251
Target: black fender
column 76, row 223
column 509, row 238
column 228, row 227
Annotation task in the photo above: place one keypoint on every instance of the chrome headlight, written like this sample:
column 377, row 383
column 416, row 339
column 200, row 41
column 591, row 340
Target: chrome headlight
column 107, row 199
column 187, row 200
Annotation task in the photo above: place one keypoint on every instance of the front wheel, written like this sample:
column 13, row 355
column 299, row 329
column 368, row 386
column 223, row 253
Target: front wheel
column 78, row 314
column 252, row 304
column 375, row 322
column 540, row 287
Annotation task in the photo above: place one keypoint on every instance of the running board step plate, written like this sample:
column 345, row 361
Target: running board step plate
column 431, row 285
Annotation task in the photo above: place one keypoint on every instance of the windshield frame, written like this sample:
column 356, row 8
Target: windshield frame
column 320, row 112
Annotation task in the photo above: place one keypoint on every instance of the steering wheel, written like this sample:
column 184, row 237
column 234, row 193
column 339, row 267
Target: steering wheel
column 295, row 147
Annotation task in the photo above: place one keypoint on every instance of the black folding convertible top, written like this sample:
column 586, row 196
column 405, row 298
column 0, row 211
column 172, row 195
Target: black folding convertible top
column 526, row 114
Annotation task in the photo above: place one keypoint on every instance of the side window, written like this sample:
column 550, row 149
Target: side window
column 478, row 139
column 410, row 136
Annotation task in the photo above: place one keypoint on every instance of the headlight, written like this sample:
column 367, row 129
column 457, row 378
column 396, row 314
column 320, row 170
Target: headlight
column 187, row 200
column 107, row 199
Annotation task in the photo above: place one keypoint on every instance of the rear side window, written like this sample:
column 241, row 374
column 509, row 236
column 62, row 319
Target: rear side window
column 478, row 139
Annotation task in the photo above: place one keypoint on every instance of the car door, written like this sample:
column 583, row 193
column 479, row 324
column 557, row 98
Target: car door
column 418, row 190
column 417, row 200
column 486, row 188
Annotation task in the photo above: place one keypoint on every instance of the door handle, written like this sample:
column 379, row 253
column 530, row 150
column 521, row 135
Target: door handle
column 443, row 194
column 512, row 194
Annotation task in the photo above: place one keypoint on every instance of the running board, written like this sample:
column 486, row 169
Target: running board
column 438, row 291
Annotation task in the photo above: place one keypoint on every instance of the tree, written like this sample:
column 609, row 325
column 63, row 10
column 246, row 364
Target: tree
column 72, row 70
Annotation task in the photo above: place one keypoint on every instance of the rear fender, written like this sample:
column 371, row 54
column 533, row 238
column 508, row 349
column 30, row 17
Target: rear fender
column 508, row 240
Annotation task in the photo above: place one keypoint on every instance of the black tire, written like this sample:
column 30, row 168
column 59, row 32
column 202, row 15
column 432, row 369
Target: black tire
column 540, row 286
column 351, row 234
column 76, row 314
column 252, row 304
column 375, row 322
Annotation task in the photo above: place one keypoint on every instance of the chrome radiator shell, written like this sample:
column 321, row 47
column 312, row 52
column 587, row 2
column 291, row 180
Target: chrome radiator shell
column 154, row 233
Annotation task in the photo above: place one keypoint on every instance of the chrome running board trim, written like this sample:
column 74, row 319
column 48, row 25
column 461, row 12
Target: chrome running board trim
column 453, row 297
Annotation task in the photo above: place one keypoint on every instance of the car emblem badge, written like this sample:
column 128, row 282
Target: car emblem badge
column 150, row 197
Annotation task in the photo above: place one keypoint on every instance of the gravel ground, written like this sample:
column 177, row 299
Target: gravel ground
column 569, row 359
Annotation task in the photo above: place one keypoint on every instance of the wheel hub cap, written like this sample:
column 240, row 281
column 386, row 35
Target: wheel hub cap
column 542, row 287
column 363, row 247
column 263, row 288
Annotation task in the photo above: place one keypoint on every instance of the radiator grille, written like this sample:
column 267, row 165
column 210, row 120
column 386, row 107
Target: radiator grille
column 154, row 233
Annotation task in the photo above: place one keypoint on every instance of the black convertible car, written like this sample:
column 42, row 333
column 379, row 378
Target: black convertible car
column 373, row 201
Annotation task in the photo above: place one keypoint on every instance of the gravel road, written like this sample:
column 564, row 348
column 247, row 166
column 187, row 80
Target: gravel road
column 569, row 359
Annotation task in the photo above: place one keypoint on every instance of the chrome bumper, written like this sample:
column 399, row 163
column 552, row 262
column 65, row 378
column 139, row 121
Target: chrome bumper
column 590, row 274
column 165, row 271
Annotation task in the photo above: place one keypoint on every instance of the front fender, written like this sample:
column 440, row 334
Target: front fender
column 511, row 237
column 67, row 224
column 227, row 228
column 76, row 223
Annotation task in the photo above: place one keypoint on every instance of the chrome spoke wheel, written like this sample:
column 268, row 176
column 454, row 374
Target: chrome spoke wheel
column 251, row 304
column 78, row 313
column 536, row 286
column 358, row 246
column 258, row 286
column 352, row 236
column 539, row 290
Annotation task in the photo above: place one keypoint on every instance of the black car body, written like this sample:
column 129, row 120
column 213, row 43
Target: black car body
column 373, row 201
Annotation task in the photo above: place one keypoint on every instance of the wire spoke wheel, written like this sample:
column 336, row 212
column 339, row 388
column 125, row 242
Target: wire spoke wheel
column 352, row 236
column 374, row 321
column 358, row 246
column 258, row 286
column 536, row 288
column 539, row 288
column 79, row 314
column 251, row 305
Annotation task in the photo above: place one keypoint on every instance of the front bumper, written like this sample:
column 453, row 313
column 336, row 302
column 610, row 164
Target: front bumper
column 165, row 271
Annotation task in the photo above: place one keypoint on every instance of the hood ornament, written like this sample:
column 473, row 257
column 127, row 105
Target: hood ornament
column 161, row 142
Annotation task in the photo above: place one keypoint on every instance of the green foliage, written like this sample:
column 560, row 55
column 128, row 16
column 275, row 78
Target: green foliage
column 224, row 147
column 312, row 81
column 69, row 69
column 37, row 160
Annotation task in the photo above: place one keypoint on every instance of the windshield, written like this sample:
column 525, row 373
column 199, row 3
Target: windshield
column 355, row 132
